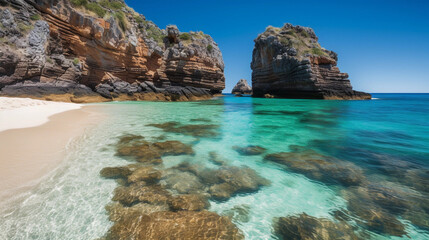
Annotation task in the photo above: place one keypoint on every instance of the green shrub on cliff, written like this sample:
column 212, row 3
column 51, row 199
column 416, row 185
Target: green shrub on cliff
column 305, row 34
column 114, row 5
column 285, row 41
column 120, row 17
column 79, row 3
column 317, row 51
column 92, row 6
column 152, row 31
column 209, row 48
column 25, row 28
column 95, row 8
column 35, row 17
column 138, row 19
column 185, row 36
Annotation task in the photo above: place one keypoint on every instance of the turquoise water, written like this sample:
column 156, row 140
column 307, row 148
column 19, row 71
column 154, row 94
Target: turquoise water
column 387, row 138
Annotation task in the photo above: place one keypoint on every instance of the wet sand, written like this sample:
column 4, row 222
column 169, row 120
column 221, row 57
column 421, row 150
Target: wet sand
column 28, row 154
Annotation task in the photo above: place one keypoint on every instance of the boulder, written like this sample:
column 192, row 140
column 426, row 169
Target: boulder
column 319, row 167
column 307, row 227
column 249, row 150
column 196, row 130
column 174, row 225
column 189, row 202
column 151, row 153
column 242, row 87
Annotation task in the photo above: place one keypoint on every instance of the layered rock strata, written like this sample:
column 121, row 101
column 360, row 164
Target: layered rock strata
column 242, row 87
column 99, row 51
column 288, row 62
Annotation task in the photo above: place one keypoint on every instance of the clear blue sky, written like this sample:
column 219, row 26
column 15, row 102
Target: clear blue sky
column 383, row 45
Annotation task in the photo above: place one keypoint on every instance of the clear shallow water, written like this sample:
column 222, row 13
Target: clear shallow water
column 379, row 136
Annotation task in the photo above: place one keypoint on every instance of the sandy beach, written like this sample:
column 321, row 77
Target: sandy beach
column 33, row 139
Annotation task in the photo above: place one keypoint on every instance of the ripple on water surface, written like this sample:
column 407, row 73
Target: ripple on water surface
column 383, row 139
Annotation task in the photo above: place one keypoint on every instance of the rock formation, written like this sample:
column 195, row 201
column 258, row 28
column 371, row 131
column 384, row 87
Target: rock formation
column 101, row 50
column 289, row 62
column 242, row 87
column 304, row 226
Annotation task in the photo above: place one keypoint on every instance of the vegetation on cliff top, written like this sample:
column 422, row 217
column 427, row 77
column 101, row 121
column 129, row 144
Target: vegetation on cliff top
column 120, row 11
column 104, row 8
column 297, row 38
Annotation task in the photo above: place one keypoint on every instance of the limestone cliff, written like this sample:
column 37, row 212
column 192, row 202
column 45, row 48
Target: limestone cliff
column 98, row 50
column 289, row 62
column 242, row 87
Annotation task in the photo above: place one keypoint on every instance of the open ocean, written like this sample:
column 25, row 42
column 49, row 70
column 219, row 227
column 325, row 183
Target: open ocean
column 371, row 157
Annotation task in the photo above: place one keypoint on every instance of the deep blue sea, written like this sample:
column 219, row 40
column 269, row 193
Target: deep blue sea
column 361, row 163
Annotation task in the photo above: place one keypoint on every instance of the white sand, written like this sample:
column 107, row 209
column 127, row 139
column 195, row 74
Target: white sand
column 27, row 154
column 26, row 112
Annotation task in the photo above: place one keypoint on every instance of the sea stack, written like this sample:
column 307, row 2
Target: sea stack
column 288, row 62
column 242, row 87
column 87, row 51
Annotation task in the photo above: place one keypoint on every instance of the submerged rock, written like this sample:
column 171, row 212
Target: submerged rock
column 145, row 174
column 249, row 150
column 289, row 62
column 373, row 217
column 182, row 182
column 216, row 159
column 220, row 184
column 319, row 167
column 141, row 193
column 307, row 227
column 239, row 213
column 116, row 172
column 229, row 181
column 175, row 225
column 128, row 138
column 242, row 87
column 117, row 211
column 151, row 153
column 196, row 130
column 189, row 202
column 378, row 204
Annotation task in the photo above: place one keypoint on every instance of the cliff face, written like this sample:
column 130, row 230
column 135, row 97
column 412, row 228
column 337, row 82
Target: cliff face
column 242, row 87
column 289, row 62
column 101, row 50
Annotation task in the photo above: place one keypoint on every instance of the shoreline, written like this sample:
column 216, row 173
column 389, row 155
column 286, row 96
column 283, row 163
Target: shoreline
column 31, row 153
column 17, row 113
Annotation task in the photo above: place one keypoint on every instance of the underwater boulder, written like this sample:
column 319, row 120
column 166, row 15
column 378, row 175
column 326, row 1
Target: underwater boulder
column 195, row 130
column 249, row 150
column 182, row 182
column 175, row 225
column 189, row 202
column 145, row 174
column 307, row 227
column 319, row 167
column 141, row 193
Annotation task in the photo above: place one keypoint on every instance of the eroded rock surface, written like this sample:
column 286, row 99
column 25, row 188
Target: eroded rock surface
column 305, row 227
column 154, row 202
column 242, row 87
column 289, row 62
column 319, row 167
column 175, row 225
column 380, row 203
column 249, row 150
column 86, row 51
column 151, row 153
column 196, row 130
